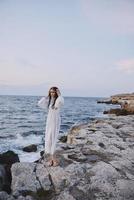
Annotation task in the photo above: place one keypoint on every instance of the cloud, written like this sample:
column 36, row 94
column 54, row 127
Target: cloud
column 126, row 65
column 113, row 16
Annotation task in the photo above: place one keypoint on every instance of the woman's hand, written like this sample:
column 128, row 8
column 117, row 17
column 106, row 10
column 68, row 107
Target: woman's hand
column 58, row 92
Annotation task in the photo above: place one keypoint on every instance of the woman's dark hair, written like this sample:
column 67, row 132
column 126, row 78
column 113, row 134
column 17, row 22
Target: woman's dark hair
column 49, row 95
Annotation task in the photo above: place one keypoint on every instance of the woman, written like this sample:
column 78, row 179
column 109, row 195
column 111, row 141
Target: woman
column 53, row 103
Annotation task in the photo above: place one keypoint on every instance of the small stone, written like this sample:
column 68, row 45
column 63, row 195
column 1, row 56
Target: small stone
column 30, row 148
column 63, row 138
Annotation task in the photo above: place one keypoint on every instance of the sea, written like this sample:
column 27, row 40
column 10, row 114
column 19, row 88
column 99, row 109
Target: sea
column 22, row 121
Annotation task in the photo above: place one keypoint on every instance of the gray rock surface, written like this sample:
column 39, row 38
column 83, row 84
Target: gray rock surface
column 96, row 163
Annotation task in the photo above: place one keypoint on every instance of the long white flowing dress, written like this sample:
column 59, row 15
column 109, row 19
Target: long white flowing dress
column 53, row 122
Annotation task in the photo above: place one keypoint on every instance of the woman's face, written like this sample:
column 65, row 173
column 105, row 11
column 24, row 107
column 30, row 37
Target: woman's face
column 52, row 93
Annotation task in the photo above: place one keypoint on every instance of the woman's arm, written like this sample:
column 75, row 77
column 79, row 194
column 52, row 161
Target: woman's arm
column 59, row 102
column 43, row 102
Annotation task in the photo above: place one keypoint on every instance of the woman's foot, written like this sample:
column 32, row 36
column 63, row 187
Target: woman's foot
column 55, row 163
column 50, row 162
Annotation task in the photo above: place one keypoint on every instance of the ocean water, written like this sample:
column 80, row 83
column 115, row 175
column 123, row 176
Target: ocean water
column 22, row 121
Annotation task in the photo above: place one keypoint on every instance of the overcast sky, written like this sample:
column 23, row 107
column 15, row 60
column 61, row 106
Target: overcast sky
column 85, row 47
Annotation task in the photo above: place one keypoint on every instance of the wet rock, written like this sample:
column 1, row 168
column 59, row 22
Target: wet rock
column 6, row 161
column 9, row 157
column 30, row 148
column 107, row 101
column 126, row 102
column 118, row 111
column 101, row 145
column 63, row 138
column 2, row 177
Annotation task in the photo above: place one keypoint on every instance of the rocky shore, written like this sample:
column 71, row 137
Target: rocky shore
column 96, row 163
column 126, row 102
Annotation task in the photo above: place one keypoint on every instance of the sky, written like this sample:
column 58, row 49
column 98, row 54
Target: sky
column 84, row 47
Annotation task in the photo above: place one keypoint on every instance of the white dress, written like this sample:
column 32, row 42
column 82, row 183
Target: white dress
column 53, row 122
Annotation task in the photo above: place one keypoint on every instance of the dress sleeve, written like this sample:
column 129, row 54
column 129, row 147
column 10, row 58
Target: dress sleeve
column 43, row 102
column 59, row 102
